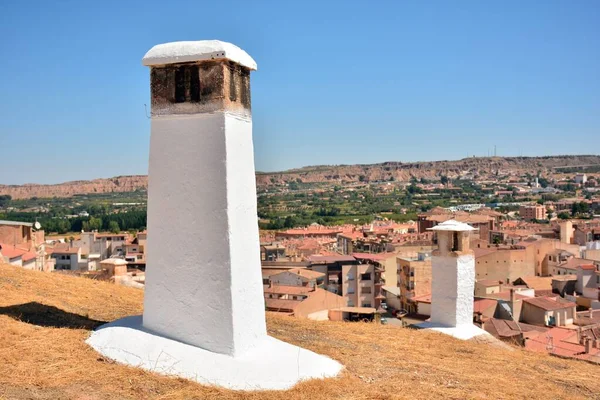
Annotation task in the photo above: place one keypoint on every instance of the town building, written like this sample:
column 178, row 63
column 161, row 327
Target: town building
column 302, row 302
column 532, row 212
column 483, row 222
column 298, row 277
column 581, row 179
column 21, row 235
column 501, row 264
column 548, row 311
column 67, row 257
column 414, row 279
column 359, row 287
column 272, row 251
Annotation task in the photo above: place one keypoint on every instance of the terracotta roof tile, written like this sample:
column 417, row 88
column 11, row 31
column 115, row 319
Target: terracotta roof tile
column 548, row 303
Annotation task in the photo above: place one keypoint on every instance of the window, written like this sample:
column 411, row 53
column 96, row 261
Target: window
column 180, row 85
column 232, row 79
column 366, row 305
column 365, row 277
column 194, row 83
column 350, row 291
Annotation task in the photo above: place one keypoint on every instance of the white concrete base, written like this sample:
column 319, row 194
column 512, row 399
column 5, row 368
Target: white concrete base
column 462, row 332
column 271, row 365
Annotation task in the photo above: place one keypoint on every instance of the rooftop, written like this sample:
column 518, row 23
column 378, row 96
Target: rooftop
column 549, row 303
column 202, row 50
column 15, row 223
column 282, row 289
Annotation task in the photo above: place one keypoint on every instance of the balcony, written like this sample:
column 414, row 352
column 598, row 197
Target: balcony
column 380, row 282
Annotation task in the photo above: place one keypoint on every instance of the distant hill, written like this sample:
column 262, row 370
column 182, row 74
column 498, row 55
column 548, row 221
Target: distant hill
column 403, row 172
column 68, row 189
column 45, row 319
column 343, row 174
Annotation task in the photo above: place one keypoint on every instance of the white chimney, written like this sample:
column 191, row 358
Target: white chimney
column 204, row 306
column 202, row 199
column 453, row 276
column 453, row 282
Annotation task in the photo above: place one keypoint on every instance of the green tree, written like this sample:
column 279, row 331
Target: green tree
column 564, row 215
column 5, row 200
column 113, row 226
column 95, row 224
column 444, row 179
column 63, row 226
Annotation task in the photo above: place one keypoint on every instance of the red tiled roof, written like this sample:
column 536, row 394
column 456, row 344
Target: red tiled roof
column 538, row 282
column 281, row 289
column 564, row 343
column 588, row 267
column 480, row 305
column 506, row 328
column 575, row 262
column 29, row 256
column 12, row 252
column 63, row 248
column 548, row 303
column 426, row 298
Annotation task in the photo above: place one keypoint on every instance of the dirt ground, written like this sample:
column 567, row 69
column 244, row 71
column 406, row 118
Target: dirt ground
column 45, row 318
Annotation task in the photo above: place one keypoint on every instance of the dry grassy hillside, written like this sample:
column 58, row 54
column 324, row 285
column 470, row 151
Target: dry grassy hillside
column 45, row 318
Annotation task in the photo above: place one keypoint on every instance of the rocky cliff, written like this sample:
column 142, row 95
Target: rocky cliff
column 342, row 174
column 399, row 171
column 67, row 189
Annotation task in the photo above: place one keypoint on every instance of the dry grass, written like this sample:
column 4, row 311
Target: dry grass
column 46, row 358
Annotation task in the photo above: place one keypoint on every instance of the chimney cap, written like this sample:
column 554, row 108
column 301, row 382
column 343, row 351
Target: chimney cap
column 452, row 225
column 189, row 51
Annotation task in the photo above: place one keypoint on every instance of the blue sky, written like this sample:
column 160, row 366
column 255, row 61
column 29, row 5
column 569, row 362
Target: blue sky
column 339, row 82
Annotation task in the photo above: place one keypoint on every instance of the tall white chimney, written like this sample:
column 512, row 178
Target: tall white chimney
column 203, row 278
column 204, row 307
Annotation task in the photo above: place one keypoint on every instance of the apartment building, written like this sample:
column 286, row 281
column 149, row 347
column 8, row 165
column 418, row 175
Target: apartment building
column 359, row 286
column 414, row 279
column 532, row 212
